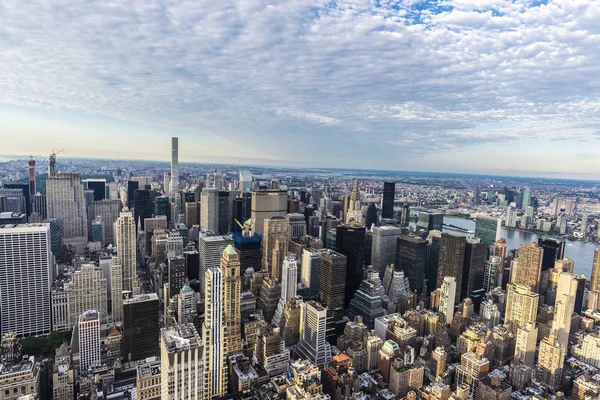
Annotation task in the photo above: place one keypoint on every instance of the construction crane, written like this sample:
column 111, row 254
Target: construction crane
column 52, row 165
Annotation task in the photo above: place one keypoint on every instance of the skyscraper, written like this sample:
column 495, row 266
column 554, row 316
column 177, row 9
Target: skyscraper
column 447, row 297
column 209, row 210
column 64, row 195
column 312, row 345
column 525, row 343
column 108, row 211
column 551, row 356
column 554, row 249
column 350, row 241
column 87, row 291
column 521, row 307
column 354, row 207
column 174, row 168
column 249, row 249
column 529, row 266
column 140, row 327
column 296, row 225
column 116, row 283
column 181, row 367
column 473, row 268
column 595, row 279
column 143, row 206
column 367, row 300
column 232, row 289
column 98, row 186
column 526, row 198
column 387, row 204
column 491, row 274
column 311, row 271
column 126, row 250
column 210, row 249
column 289, row 282
column 485, row 228
column 267, row 204
column 275, row 245
column 89, row 340
column 214, row 332
column 563, row 308
column 411, row 258
column 132, row 186
column 333, row 282
column 451, row 261
column 383, row 250
column 26, row 266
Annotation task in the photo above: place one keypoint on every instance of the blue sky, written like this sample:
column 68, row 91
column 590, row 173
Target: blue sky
column 482, row 86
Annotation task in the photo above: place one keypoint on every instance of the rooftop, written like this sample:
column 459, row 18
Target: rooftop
column 180, row 338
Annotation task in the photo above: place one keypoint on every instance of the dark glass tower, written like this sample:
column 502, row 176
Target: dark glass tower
column 332, row 286
column 162, row 206
column 192, row 264
column 143, row 206
column 473, row 268
column 350, row 241
column 224, row 221
column 371, row 216
column 411, row 257
column 177, row 274
column 580, row 279
column 242, row 210
column 554, row 249
column 249, row 249
column 99, row 188
column 433, row 261
column 451, row 261
column 132, row 186
column 387, row 207
column 140, row 327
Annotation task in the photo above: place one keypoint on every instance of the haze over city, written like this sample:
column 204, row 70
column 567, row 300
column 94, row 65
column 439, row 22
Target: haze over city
column 489, row 86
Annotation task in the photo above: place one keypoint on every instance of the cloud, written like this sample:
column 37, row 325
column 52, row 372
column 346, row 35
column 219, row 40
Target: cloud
column 359, row 76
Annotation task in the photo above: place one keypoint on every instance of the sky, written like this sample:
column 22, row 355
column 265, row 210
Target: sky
column 475, row 86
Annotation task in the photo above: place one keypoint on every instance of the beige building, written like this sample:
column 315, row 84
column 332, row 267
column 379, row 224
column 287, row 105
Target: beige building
column 275, row 245
column 209, row 210
column 521, row 306
column 108, row 211
column 595, row 279
column 563, row 308
column 214, row 332
column 21, row 379
column 438, row 361
column 116, row 287
column 126, row 251
column 181, row 372
column 473, row 367
column 372, row 344
column 148, row 380
column 550, row 362
column 404, row 378
column 528, row 266
column 63, row 379
column 87, row 291
column 232, row 289
column 267, row 204
column 526, row 339
column 65, row 200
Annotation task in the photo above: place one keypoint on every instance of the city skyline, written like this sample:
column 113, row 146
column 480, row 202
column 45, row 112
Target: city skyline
column 423, row 86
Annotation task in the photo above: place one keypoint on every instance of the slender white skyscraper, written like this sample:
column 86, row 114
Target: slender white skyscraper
column 214, row 331
column 563, row 308
column 313, row 345
column 174, row 167
column 26, row 263
column 289, row 281
column 447, row 297
column 89, row 339
column 126, row 250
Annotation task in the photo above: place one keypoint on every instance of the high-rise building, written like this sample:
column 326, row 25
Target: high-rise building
column 473, row 367
column 116, row 292
column 18, row 189
column 140, row 327
column 209, row 210
column 249, row 249
column 174, row 168
column 275, row 245
column 245, row 182
column 88, row 331
column 411, row 257
column 225, row 211
column 192, row 214
column 311, row 271
column 595, row 279
column 313, row 345
column 126, row 250
column 485, row 228
column 296, row 225
column 383, row 250
column 387, row 204
column 143, row 206
column 40, row 206
column 181, row 368
column 439, row 359
column 63, row 376
column 521, row 307
column 232, row 289
column 367, row 300
column 563, row 308
column 132, row 186
column 447, row 297
column 350, row 241
column 451, row 261
column 87, row 290
column 214, row 331
column 526, row 198
column 434, row 239
column 551, row 356
column 491, row 276
column 270, row 352
column 526, row 339
column 354, row 212
column 108, row 211
column 473, row 268
column 289, row 283
column 267, row 204
column 210, row 250
column 554, row 249
column 529, row 266
column 430, row 221
column 270, row 292
column 64, row 195
column 177, row 275
column 98, row 186
column 162, row 206
column 26, row 266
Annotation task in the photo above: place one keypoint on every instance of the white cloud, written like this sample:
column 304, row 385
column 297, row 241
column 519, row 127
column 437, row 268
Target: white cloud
column 348, row 73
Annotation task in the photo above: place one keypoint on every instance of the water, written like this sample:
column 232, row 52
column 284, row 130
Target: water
column 581, row 252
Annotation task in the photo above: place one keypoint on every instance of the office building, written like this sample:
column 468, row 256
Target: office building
column 521, row 307
column 126, row 250
column 245, row 180
column 312, row 345
column 387, row 203
column 143, row 205
column 311, row 271
column 232, row 289
column 447, row 297
column 214, row 331
column 563, row 308
column 290, row 322
column 350, row 241
column 354, row 212
column 98, row 186
column 404, row 378
column 174, row 189
column 485, row 228
column 88, row 331
column 108, row 211
column 267, row 204
column 367, row 300
column 181, row 369
column 225, row 211
column 249, row 249
column 162, row 206
column 551, row 356
column 383, row 250
column 289, row 284
column 411, row 257
column 63, row 376
column 473, row 268
column 271, row 353
column 116, row 283
column 529, row 266
column 296, row 225
column 13, row 198
column 141, row 327
column 210, row 250
column 332, row 286
column 491, row 275
column 595, row 279
column 40, row 206
column 87, row 290
column 64, row 195
column 554, row 249
column 209, row 210
column 26, row 267
column 147, row 379
column 439, row 359
column 451, row 260
column 430, row 221
column 275, row 245
column 192, row 214
column 132, row 186
column 177, row 275
column 525, row 343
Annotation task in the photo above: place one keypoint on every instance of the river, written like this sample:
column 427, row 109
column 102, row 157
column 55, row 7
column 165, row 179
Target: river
column 581, row 252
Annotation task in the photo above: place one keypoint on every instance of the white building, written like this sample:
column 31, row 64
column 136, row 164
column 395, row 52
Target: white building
column 313, row 345
column 89, row 340
column 289, row 285
column 447, row 297
column 311, row 270
column 181, row 367
column 26, row 265
column 213, row 334
column 87, row 291
column 209, row 210
column 245, row 183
